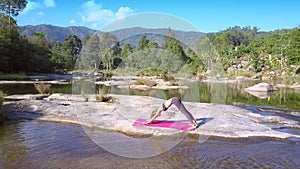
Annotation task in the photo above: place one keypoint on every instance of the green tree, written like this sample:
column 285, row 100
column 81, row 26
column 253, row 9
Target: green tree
column 126, row 51
column 153, row 44
column 60, row 58
column 89, row 58
column 143, row 43
column 71, row 46
column 174, row 46
column 11, row 53
column 293, row 47
column 109, row 51
column 168, row 36
column 12, row 7
column 40, row 49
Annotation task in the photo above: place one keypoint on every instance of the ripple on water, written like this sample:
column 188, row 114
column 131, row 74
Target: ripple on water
column 31, row 144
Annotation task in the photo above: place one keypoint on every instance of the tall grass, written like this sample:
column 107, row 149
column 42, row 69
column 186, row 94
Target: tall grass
column 42, row 88
column 20, row 76
column 103, row 97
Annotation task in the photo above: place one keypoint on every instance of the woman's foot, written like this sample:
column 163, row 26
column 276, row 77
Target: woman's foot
column 194, row 125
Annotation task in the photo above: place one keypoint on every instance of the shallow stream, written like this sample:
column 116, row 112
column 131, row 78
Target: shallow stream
column 32, row 144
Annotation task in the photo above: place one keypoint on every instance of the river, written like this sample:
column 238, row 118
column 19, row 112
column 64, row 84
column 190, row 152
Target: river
column 33, row 144
column 283, row 98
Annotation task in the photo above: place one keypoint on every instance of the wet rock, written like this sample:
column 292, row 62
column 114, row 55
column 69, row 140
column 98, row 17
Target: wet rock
column 281, row 86
column 295, row 87
column 260, row 94
column 297, row 70
column 262, row 87
column 250, row 68
column 119, row 116
column 25, row 97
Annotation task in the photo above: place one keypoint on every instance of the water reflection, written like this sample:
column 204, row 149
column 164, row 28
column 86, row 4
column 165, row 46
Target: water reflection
column 284, row 97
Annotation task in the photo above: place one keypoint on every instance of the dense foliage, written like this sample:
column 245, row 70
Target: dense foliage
column 274, row 50
column 242, row 48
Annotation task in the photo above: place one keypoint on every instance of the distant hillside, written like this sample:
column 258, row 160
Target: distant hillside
column 131, row 35
column 56, row 33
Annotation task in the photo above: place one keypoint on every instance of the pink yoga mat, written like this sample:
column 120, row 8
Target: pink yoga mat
column 185, row 126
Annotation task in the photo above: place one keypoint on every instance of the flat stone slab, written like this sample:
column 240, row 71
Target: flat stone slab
column 34, row 82
column 261, row 87
column 295, row 87
column 25, row 97
column 119, row 116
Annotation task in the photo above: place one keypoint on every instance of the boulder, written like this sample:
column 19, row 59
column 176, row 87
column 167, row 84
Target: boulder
column 295, row 87
column 259, row 94
column 214, row 119
column 297, row 70
column 261, row 87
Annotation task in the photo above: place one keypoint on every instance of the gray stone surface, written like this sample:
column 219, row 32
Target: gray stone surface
column 261, row 87
column 25, row 97
column 214, row 119
column 33, row 82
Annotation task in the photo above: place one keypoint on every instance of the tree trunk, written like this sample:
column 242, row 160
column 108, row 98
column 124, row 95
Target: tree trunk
column 9, row 27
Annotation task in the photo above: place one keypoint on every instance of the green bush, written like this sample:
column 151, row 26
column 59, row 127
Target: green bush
column 20, row 76
column 103, row 97
column 167, row 77
column 151, row 72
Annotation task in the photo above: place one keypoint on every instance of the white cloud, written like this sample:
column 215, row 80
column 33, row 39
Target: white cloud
column 37, row 5
column 31, row 6
column 94, row 14
column 123, row 12
column 49, row 3
column 72, row 22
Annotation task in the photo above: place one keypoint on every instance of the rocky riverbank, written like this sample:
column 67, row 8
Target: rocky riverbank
column 214, row 119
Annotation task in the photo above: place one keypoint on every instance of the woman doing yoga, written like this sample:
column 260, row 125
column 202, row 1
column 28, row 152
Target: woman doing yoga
column 177, row 102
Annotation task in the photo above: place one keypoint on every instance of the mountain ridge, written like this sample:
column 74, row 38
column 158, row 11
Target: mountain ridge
column 58, row 33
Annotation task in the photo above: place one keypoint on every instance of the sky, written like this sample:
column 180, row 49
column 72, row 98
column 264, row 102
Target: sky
column 204, row 15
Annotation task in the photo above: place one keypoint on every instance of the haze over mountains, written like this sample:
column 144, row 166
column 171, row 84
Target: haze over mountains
column 131, row 35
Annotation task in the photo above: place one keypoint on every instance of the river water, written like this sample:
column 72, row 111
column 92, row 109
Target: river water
column 33, row 144
column 283, row 98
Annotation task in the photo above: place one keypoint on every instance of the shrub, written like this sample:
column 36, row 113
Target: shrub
column 151, row 72
column 14, row 76
column 42, row 88
column 103, row 97
column 167, row 77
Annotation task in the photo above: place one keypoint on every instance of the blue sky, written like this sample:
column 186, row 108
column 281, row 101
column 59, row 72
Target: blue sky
column 205, row 15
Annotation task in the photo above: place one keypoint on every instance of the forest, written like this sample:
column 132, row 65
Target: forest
column 240, row 49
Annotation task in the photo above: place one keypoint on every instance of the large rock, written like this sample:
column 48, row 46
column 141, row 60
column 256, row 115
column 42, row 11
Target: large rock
column 260, row 94
column 262, row 87
column 25, row 97
column 214, row 119
column 295, row 87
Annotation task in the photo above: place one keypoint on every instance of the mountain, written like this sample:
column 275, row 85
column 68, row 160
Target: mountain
column 130, row 35
column 56, row 33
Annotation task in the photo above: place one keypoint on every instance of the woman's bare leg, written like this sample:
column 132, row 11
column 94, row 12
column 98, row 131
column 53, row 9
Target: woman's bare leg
column 176, row 101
